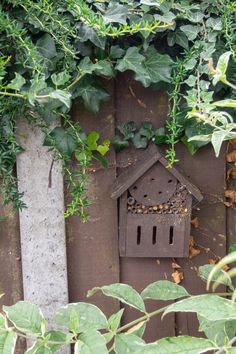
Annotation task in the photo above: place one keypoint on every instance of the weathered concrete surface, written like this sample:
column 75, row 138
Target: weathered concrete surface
column 42, row 224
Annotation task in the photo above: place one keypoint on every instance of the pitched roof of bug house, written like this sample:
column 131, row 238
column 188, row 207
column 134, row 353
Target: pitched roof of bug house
column 150, row 157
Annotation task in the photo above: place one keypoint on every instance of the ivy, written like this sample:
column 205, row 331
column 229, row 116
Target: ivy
column 55, row 53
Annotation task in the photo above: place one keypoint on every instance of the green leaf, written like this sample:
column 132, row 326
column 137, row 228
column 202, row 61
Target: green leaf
column 128, row 343
column 159, row 136
column 213, row 307
column 64, row 140
column 86, row 66
column 220, row 276
column 219, row 331
column 139, row 141
column 105, row 68
column 131, row 61
column 226, row 103
column 39, row 348
column 127, row 129
column 89, row 317
column 116, row 52
column 92, row 94
column 7, row 342
column 104, row 148
column 17, row 82
column 37, row 85
column 191, row 31
column 232, row 248
column 87, row 33
column 164, row 290
column 221, row 68
column 62, row 96
column 179, row 345
column 26, row 317
column 92, row 139
column 146, row 130
column 91, row 342
column 119, row 143
column 46, row 46
column 116, row 13
column 60, row 79
column 217, row 140
column 230, row 258
column 115, row 319
column 123, row 292
column 60, row 337
column 178, row 37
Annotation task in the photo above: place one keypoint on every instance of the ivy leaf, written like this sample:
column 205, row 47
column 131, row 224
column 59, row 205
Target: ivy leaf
column 164, row 290
column 214, row 23
column 46, row 46
column 131, row 61
column 105, row 68
column 191, row 31
column 26, row 317
column 146, row 130
column 92, row 95
column 60, row 79
column 139, row 141
column 92, row 140
column 116, row 52
column 90, row 317
column 116, row 13
column 123, row 292
column 17, row 82
column 86, row 66
column 104, row 148
column 62, row 96
column 37, row 85
column 87, row 33
column 127, row 129
column 178, row 37
column 91, row 342
column 64, row 140
column 119, row 143
column 159, row 136
column 7, row 342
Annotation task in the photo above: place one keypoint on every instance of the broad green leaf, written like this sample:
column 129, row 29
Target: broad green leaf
column 57, row 336
column 17, row 82
column 119, row 143
column 91, row 342
column 60, row 79
column 178, row 37
column 191, row 31
column 87, row 33
column 220, row 276
column 62, row 96
column 86, row 66
column 115, row 319
column 26, row 317
column 230, row 258
column 105, row 68
column 214, row 23
column 127, row 129
column 219, row 332
column 39, row 348
column 116, row 52
column 92, row 139
column 64, row 140
column 123, row 292
column 225, row 103
column 217, row 140
column 116, row 13
column 131, row 61
column 146, row 130
column 140, row 141
column 37, row 85
column 164, row 290
column 104, row 148
column 223, row 62
column 213, row 307
column 7, row 342
column 179, row 345
column 128, row 343
column 46, row 46
column 89, row 317
column 92, row 94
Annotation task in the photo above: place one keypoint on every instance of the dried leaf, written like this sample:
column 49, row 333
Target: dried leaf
column 195, row 222
column 231, row 194
column 177, row 276
column 175, row 265
column 225, row 268
column 193, row 252
column 231, row 173
column 212, row 261
column 228, row 204
column 231, row 156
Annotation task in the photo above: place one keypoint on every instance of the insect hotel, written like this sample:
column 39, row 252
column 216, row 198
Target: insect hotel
column 155, row 204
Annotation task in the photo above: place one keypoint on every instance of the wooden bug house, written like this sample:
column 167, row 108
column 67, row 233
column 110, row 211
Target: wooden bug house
column 155, row 204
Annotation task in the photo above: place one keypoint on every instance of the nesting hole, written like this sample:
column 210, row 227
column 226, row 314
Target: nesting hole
column 170, row 181
column 138, row 235
column 154, row 235
column 171, row 235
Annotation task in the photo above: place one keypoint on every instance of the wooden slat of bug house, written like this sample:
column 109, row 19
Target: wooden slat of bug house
column 133, row 102
column 93, row 247
column 210, row 235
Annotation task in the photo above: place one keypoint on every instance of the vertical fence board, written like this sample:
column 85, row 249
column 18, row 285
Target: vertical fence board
column 135, row 103
column 93, row 247
column 208, row 173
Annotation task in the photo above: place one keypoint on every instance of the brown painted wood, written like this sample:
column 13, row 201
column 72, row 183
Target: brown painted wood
column 208, row 173
column 10, row 261
column 92, row 248
column 133, row 102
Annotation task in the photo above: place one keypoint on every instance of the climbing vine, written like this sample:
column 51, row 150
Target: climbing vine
column 54, row 53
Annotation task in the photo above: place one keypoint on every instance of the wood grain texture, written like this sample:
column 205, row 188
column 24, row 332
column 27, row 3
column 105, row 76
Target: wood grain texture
column 92, row 248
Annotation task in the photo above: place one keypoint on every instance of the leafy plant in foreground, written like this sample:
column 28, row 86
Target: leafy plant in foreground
column 85, row 326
